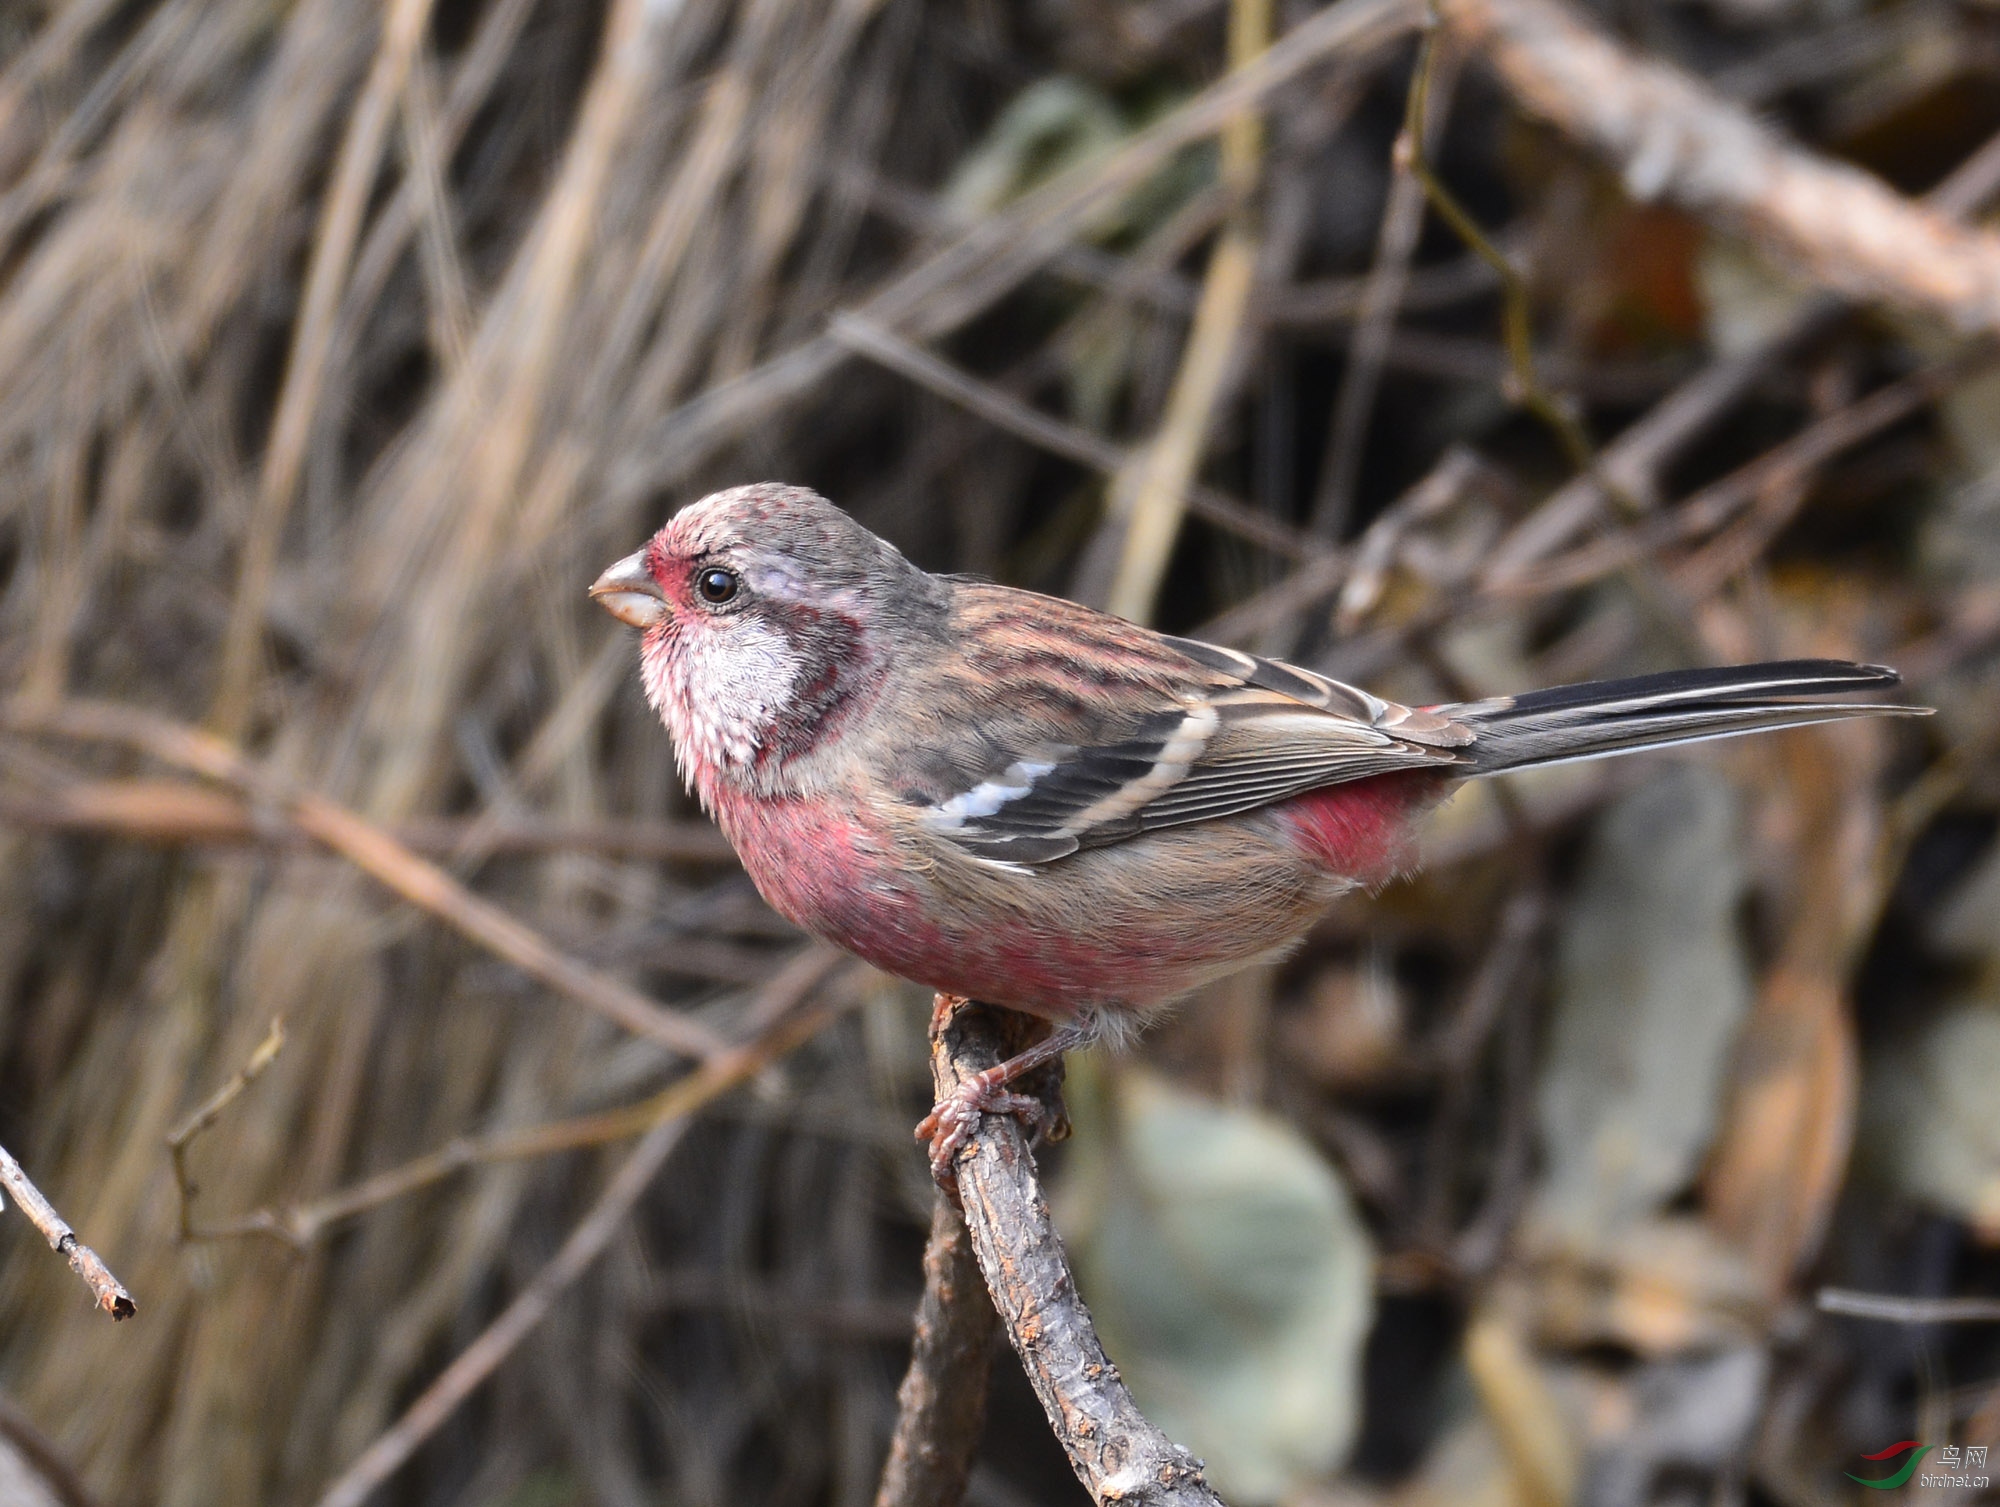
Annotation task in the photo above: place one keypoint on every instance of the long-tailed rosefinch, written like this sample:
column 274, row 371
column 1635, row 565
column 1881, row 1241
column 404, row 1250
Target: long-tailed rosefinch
column 1015, row 799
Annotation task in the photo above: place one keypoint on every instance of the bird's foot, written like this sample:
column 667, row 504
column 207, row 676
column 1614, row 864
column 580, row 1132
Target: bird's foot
column 952, row 1120
column 950, row 1125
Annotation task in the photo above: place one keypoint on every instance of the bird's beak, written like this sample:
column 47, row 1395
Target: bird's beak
column 629, row 593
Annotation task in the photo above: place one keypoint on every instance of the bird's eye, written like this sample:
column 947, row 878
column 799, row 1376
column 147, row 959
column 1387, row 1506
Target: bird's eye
column 716, row 586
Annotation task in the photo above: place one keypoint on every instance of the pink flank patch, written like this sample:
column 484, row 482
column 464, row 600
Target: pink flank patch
column 1364, row 829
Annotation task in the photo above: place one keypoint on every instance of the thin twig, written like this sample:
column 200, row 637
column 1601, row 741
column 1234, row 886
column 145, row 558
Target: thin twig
column 377, row 853
column 108, row 1291
column 1381, row 300
column 941, row 1406
column 1892, row 1309
column 1636, row 458
column 1715, row 504
column 478, row 1361
column 1517, row 306
column 1117, row 1454
column 179, row 1138
column 1458, row 471
column 1633, row 462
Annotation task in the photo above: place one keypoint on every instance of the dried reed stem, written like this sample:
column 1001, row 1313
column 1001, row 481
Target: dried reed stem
column 1148, row 496
column 992, row 257
column 312, row 339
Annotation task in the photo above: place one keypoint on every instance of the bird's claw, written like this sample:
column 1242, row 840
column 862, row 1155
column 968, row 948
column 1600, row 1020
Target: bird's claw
column 953, row 1119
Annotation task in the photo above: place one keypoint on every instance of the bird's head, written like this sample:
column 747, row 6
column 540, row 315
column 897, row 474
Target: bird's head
column 768, row 617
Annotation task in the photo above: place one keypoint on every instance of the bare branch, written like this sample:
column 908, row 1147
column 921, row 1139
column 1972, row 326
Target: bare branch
column 179, row 1138
column 109, row 1292
column 1673, row 137
column 941, row 1406
column 1116, row 1453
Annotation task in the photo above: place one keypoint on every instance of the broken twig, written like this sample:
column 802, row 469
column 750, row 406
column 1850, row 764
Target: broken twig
column 109, row 1292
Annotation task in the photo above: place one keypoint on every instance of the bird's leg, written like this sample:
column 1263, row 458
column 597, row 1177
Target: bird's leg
column 953, row 1118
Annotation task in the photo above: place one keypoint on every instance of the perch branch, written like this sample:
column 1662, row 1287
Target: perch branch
column 1672, row 137
column 109, row 1292
column 376, row 853
column 1116, row 1453
column 941, row 1406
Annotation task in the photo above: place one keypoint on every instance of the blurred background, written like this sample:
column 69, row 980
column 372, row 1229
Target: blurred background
column 343, row 342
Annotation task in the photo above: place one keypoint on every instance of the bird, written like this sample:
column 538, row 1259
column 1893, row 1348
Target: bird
column 1012, row 798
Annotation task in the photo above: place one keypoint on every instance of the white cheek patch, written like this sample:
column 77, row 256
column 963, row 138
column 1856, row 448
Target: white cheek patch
column 723, row 691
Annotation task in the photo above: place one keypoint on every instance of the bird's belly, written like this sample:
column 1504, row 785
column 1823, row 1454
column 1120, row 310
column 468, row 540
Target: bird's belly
column 1120, row 929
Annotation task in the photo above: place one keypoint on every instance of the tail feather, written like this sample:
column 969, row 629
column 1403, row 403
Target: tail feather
column 1604, row 717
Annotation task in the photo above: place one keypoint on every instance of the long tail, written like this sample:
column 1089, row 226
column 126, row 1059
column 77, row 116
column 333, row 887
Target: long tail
column 1605, row 717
